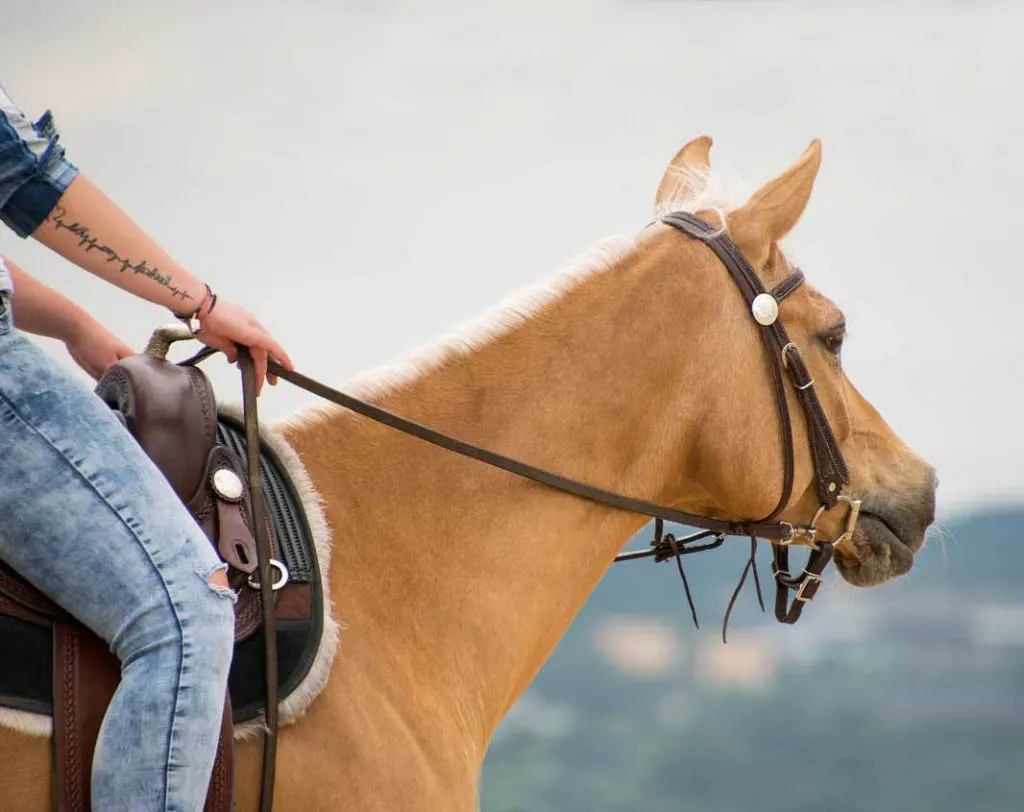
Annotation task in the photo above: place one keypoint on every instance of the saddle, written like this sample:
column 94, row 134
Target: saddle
column 55, row 666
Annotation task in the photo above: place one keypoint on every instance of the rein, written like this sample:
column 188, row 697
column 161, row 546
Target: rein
column 831, row 474
column 268, row 601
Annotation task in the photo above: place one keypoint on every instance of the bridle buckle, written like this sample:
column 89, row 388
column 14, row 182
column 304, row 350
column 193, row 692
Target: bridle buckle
column 805, row 582
column 786, row 350
column 801, row 531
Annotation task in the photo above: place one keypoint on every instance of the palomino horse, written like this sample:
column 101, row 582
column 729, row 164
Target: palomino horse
column 638, row 369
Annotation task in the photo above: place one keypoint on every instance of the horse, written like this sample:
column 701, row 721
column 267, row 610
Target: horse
column 637, row 368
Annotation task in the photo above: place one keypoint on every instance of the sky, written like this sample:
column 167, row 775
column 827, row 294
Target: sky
column 366, row 174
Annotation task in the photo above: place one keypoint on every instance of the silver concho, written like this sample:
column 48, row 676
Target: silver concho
column 227, row 484
column 765, row 309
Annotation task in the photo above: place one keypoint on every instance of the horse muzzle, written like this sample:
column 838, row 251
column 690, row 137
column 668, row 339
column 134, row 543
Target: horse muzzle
column 891, row 528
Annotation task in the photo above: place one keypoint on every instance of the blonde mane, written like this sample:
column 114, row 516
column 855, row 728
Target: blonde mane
column 698, row 189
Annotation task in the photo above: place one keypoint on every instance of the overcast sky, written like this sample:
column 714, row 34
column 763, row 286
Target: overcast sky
column 367, row 174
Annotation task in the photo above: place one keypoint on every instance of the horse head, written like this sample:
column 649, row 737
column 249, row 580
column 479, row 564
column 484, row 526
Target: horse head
column 736, row 457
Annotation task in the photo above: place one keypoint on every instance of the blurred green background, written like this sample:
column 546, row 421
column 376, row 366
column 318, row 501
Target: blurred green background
column 909, row 696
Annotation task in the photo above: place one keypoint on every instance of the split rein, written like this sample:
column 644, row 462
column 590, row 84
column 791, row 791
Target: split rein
column 831, row 475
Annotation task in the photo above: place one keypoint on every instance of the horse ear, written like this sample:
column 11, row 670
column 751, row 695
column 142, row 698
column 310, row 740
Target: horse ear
column 686, row 173
column 775, row 208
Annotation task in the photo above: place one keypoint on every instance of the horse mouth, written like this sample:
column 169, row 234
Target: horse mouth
column 883, row 544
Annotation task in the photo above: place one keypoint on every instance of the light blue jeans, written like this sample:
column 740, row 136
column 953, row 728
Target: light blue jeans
column 89, row 520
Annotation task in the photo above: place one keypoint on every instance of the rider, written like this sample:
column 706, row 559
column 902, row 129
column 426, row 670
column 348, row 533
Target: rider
column 84, row 515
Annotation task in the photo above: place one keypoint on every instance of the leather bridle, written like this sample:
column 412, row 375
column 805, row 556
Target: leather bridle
column 830, row 472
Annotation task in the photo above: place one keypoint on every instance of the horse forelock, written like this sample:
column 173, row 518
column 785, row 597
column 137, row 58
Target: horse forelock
column 698, row 188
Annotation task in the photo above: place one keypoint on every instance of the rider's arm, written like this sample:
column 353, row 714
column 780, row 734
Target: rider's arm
column 89, row 229
column 41, row 309
column 43, row 195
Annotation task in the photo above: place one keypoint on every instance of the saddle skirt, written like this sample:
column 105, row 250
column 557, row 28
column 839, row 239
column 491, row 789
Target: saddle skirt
column 144, row 391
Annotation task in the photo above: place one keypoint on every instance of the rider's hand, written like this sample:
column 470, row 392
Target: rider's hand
column 94, row 347
column 229, row 324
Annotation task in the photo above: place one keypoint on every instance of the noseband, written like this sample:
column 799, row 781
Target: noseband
column 831, row 475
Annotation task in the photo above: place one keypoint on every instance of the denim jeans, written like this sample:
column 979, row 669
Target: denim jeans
column 88, row 519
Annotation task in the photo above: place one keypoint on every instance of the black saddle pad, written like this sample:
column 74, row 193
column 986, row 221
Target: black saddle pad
column 26, row 649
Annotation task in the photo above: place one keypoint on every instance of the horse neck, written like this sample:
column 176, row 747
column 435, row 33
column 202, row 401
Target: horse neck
column 454, row 580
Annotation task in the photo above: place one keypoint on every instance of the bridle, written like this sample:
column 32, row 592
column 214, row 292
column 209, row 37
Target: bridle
column 830, row 471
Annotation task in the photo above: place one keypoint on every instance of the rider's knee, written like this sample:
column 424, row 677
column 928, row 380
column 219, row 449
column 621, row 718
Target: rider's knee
column 217, row 581
column 219, row 578
column 217, row 631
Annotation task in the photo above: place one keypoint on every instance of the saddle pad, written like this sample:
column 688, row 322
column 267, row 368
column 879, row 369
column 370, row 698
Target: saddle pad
column 306, row 632
column 298, row 638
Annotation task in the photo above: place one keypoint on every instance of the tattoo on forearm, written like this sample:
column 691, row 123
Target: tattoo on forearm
column 90, row 243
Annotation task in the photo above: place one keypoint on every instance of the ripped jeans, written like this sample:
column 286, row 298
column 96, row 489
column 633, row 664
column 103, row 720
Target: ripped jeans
column 89, row 520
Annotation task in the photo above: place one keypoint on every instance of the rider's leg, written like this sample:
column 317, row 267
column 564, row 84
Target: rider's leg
column 88, row 519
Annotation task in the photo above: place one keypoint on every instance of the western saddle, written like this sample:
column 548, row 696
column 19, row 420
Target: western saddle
column 53, row 665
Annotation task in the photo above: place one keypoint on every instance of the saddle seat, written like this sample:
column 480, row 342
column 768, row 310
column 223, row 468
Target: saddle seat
column 52, row 665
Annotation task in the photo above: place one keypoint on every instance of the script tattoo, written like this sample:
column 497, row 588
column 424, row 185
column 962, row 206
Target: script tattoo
column 90, row 243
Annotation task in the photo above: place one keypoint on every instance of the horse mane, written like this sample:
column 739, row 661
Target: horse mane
column 698, row 189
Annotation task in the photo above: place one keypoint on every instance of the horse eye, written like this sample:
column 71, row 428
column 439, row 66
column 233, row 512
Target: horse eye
column 833, row 343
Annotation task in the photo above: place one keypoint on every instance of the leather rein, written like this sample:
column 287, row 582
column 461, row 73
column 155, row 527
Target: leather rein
column 830, row 471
